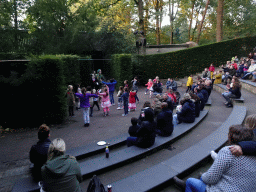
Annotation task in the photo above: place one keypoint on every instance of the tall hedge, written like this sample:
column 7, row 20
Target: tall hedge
column 121, row 68
column 182, row 63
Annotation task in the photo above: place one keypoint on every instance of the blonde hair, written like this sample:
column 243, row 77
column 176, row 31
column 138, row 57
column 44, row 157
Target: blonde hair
column 56, row 148
column 250, row 121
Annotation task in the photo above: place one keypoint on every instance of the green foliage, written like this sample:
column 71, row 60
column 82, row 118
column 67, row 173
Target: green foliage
column 121, row 68
column 184, row 62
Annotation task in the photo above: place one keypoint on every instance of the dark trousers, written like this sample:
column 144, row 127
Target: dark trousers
column 188, row 88
column 97, row 104
column 125, row 107
column 71, row 110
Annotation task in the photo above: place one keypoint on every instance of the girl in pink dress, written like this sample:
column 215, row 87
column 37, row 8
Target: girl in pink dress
column 132, row 100
column 105, row 102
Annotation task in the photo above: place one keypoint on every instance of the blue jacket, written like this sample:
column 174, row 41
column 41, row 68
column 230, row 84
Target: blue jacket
column 202, row 103
column 164, row 122
column 205, row 94
column 249, row 147
column 187, row 113
column 125, row 96
column 110, row 85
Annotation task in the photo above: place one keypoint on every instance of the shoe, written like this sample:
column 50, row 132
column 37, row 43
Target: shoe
column 118, row 108
column 86, row 125
column 145, row 93
column 113, row 104
column 213, row 155
column 129, row 110
column 229, row 105
column 98, row 109
column 124, row 115
column 180, row 183
column 90, row 115
column 107, row 114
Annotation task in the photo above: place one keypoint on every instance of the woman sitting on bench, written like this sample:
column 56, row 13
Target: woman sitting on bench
column 228, row 172
column 233, row 92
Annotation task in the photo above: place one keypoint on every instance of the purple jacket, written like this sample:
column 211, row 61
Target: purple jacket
column 84, row 99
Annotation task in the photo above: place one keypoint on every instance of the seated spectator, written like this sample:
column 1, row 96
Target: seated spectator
column 240, row 70
column 206, row 74
column 208, row 87
column 61, row 172
column 157, row 105
column 168, row 100
column 168, row 83
column 245, row 69
column 218, row 77
column 196, row 101
column 164, row 121
column 233, row 92
column 234, row 64
column 134, row 128
column 228, row 172
column 157, row 87
column 246, row 147
column 201, row 96
column 250, row 71
column 187, row 113
column 230, row 74
column 38, row 153
column 146, row 134
column 172, row 95
column 173, row 85
column 146, row 105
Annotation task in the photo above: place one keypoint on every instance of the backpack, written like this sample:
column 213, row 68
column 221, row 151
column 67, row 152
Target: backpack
column 95, row 185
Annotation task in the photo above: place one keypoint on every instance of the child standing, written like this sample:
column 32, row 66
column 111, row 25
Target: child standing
column 132, row 100
column 85, row 105
column 95, row 100
column 189, row 83
column 126, row 84
column 119, row 95
column 105, row 103
column 211, row 69
column 149, row 86
column 125, row 98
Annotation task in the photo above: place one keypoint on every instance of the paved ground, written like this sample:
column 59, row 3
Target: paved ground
column 15, row 146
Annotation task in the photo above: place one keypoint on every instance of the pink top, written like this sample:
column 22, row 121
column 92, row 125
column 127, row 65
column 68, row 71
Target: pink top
column 104, row 96
column 149, row 84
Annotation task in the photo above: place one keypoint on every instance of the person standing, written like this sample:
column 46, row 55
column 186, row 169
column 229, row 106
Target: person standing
column 85, row 105
column 111, row 86
column 189, row 83
column 125, row 97
column 71, row 100
column 105, row 103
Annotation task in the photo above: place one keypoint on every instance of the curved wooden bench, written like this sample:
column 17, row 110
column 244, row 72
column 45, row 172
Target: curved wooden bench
column 163, row 172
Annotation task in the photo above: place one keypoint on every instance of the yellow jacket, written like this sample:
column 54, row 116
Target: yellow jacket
column 218, row 78
column 190, row 81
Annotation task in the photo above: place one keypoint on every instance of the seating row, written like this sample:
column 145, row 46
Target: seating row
column 221, row 88
column 100, row 164
column 163, row 172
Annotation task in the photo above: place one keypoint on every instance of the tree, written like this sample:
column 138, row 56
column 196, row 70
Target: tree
column 219, row 33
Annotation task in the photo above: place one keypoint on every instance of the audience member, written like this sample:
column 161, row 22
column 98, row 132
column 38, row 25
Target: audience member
column 173, row 85
column 38, row 153
column 196, row 101
column 146, row 134
column 233, row 92
column 61, row 172
column 228, row 172
column 164, row 121
column 206, row 74
column 134, row 128
column 251, row 70
column 168, row 100
column 218, row 77
column 146, row 105
column 187, row 113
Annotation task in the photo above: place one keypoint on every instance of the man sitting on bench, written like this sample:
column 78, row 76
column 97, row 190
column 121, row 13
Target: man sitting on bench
column 38, row 153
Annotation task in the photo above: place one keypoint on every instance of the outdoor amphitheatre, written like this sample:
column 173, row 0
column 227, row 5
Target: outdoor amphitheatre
column 139, row 93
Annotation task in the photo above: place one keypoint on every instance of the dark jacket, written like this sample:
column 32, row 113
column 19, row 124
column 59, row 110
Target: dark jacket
column 62, row 174
column 205, row 94
column 169, row 102
column 197, row 108
column 142, row 114
column 202, row 103
column 146, row 134
column 236, row 92
column 95, row 84
column 249, row 147
column 164, row 122
column 38, row 156
column 209, row 90
column 187, row 113
column 232, row 72
column 133, row 130
column 157, row 87
column 125, row 96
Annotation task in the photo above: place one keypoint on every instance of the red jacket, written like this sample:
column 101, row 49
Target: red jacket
column 132, row 97
column 211, row 68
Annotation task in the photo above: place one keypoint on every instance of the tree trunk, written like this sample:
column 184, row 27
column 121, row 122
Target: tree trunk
column 141, row 19
column 202, row 22
column 219, row 32
column 191, row 19
column 146, row 17
column 171, row 20
column 157, row 23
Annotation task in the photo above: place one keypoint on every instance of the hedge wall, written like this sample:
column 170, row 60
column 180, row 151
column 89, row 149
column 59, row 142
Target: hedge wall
column 121, row 68
column 188, row 61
